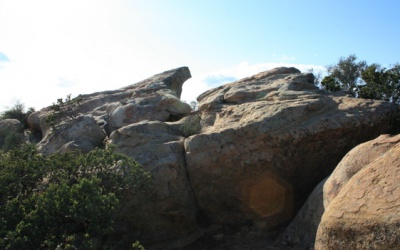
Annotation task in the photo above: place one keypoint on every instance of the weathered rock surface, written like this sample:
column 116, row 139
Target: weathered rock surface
column 363, row 212
column 37, row 122
column 267, row 140
column 156, row 98
column 251, row 154
column 169, row 212
column 358, row 158
column 82, row 134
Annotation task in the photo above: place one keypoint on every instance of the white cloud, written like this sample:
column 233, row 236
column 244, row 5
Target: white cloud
column 205, row 81
column 55, row 48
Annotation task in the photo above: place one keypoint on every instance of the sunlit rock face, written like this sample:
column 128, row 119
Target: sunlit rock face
column 155, row 99
column 362, row 210
column 267, row 140
column 365, row 205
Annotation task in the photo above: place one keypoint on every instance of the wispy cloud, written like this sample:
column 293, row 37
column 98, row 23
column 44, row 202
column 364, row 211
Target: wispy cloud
column 203, row 82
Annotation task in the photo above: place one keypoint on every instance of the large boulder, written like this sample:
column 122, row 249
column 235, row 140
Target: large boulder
column 302, row 230
column 358, row 158
column 168, row 213
column 83, row 134
column 363, row 211
column 37, row 121
column 268, row 140
column 156, row 98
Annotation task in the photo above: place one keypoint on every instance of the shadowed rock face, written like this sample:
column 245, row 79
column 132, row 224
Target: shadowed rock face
column 267, row 140
column 169, row 211
column 302, row 230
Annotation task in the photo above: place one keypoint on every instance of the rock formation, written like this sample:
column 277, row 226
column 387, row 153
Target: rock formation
column 366, row 216
column 267, row 140
column 362, row 210
column 82, row 134
column 134, row 118
column 251, row 154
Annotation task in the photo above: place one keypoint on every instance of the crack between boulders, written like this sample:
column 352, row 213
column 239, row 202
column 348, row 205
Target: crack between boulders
column 189, row 181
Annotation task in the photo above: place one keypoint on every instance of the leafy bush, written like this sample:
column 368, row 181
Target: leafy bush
column 329, row 83
column 65, row 201
column 346, row 72
column 17, row 111
column 381, row 83
column 11, row 140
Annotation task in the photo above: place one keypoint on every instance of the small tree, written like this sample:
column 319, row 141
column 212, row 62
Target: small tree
column 346, row 72
column 381, row 83
column 329, row 83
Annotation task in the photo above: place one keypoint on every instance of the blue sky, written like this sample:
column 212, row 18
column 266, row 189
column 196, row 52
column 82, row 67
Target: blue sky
column 51, row 48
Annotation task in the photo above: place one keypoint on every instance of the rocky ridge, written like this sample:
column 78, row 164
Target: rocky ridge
column 250, row 155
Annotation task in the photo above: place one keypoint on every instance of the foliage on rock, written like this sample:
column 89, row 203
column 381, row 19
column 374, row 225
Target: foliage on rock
column 65, row 201
column 64, row 110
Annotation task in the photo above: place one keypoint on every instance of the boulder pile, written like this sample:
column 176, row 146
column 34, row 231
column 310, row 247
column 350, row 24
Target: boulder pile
column 252, row 153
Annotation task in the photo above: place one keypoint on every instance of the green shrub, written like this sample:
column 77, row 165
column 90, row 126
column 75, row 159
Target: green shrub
column 11, row 140
column 65, row 201
column 17, row 111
